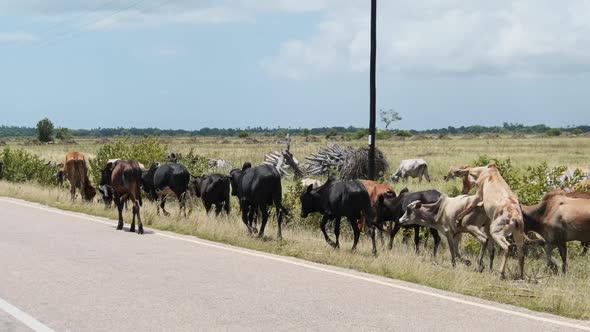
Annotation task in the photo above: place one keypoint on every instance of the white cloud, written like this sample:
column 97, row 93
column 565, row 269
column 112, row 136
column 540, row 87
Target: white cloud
column 444, row 37
column 16, row 37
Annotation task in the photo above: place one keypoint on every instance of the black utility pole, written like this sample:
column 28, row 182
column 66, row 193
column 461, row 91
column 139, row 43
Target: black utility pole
column 372, row 91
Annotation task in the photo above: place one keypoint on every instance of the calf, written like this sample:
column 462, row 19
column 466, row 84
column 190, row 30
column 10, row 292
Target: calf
column 442, row 216
column 123, row 178
column 257, row 188
column 76, row 172
column 416, row 168
column 392, row 208
column 213, row 189
column 1, row 169
column 560, row 217
column 468, row 174
column 161, row 182
column 337, row 199
column 502, row 207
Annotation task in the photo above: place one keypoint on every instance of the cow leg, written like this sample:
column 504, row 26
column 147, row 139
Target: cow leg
column 392, row 232
column 132, row 228
column 562, row 247
column 436, row 238
column 484, row 246
column 505, row 245
column 73, row 191
column 426, row 175
column 550, row 263
column 519, row 241
column 246, row 217
column 337, row 231
column 451, row 243
column 162, row 205
column 585, row 246
column 218, row 208
column 325, row 220
column 207, row 207
column 417, row 237
column 119, row 204
column 227, row 206
column 264, row 212
column 279, row 222
column 355, row 231
column 136, row 212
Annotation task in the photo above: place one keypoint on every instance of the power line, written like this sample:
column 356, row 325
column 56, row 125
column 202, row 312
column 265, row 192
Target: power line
column 77, row 17
column 79, row 29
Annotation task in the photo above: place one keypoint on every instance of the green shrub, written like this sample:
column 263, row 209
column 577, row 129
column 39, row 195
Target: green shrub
column 23, row 166
column 383, row 134
column 577, row 131
column 403, row 133
column 292, row 202
column 553, row 132
column 332, row 133
column 45, row 130
column 243, row 134
column 196, row 165
column 146, row 151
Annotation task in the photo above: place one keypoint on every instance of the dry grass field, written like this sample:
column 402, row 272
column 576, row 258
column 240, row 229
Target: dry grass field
column 541, row 290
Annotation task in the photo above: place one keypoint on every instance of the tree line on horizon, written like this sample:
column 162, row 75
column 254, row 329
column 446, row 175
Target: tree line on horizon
column 506, row 128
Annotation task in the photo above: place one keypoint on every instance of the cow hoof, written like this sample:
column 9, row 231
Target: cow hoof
column 480, row 269
column 119, row 227
column 254, row 230
column 132, row 230
column 140, row 232
column 333, row 244
column 167, row 214
column 467, row 262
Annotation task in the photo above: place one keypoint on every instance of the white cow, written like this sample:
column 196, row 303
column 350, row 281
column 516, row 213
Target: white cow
column 315, row 183
column 416, row 168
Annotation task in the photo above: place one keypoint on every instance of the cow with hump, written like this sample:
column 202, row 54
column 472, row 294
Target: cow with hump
column 442, row 215
column 416, row 168
column 393, row 208
column 504, row 211
column 163, row 181
column 123, row 179
column 76, row 172
column 560, row 217
column 213, row 189
column 337, row 199
column 256, row 189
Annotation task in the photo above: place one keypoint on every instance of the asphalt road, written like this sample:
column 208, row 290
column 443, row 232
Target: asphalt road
column 72, row 272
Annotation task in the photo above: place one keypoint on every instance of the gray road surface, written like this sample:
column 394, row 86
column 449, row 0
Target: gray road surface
column 73, row 272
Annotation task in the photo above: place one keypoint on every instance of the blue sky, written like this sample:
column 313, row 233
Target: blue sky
column 292, row 63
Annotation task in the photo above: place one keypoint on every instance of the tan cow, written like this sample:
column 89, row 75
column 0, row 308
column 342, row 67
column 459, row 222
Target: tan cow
column 503, row 209
column 468, row 174
column 560, row 217
column 76, row 172
column 442, row 216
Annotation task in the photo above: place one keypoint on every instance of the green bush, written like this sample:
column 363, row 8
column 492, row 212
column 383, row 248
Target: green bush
column 196, row 165
column 577, row 131
column 331, row 133
column 383, row 134
column 23, row 166
column 146, row 151
column 45, row 130
column 243, row 134
column 292, row 202
column 403, row 133
column 553, row 132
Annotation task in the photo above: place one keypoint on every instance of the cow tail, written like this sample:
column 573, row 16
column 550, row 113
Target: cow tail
column 526, row 237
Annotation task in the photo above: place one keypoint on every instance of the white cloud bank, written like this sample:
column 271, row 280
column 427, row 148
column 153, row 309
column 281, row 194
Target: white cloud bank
column 444, row 37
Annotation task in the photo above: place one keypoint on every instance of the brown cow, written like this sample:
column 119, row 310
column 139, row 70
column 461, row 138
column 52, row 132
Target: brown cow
column 375, row 190
column 560, row 217
column 123, row 177
column 467, row 173
column 501, row 206
column 76, row 172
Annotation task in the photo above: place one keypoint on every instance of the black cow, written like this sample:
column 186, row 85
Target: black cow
column 213, row 189
column 160, row 182
column 393, row 208
column 257, row 188
column 1, row 169
column 337, row 199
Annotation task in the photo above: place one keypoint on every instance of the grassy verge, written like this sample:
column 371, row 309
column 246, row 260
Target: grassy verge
column 542, row 291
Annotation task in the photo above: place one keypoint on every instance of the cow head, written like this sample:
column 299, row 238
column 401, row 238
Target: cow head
column 310, row 199
column 389, row 206
column 234, row 177
column 107, row 195
column 89, row 192
column 413, row 214
column 395, row 177
column 196, row 183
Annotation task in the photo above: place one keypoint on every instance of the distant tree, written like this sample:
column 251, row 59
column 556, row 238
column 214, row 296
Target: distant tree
column 388, row 117
column 403, row 133
column 243, row 134
column 553, row 132
column 332, row 133
column 63, row 133
column 45, row 130
column 577, row 131
column 281, row 132
column 306, row 132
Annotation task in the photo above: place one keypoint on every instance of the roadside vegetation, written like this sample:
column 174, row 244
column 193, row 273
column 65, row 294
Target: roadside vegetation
column 525, row 163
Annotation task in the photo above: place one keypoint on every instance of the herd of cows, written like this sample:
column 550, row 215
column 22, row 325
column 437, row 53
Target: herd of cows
column 492, row 213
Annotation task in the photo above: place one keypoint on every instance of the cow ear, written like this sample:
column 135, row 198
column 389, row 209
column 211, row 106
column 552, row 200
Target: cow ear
column 415, row 205
column 405, row 190
column 309, row 188
column 109, row 166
